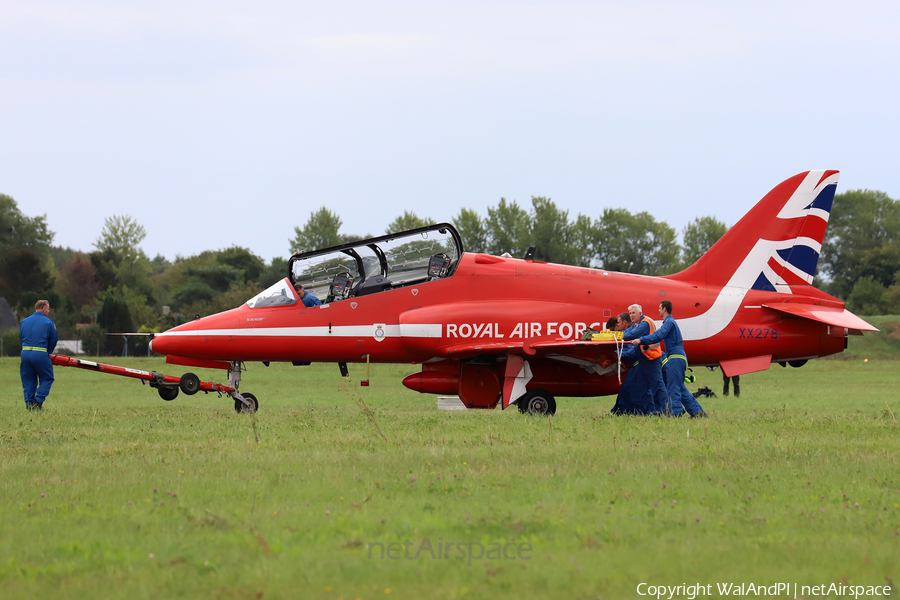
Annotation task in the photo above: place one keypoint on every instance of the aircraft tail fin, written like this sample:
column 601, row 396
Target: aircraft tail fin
column 776, row 245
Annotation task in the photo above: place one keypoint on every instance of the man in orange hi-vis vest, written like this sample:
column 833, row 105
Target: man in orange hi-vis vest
column 649, row 367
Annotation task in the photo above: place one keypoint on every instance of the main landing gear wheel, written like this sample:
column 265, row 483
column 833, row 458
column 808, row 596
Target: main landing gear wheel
column 240, row 407
column 168, row 393
column 537, row 402
column 189, row 384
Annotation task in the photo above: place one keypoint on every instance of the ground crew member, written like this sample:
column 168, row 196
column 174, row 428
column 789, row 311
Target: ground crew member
column 737, row 384
column 625, row 405
column 674, row 364
column 38, row 336
column 649, row 368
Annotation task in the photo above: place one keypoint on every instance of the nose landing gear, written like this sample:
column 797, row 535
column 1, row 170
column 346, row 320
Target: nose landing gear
column 240, row 407
column 243, row 403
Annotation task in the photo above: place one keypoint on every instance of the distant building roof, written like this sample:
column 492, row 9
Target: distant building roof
column 7, row 318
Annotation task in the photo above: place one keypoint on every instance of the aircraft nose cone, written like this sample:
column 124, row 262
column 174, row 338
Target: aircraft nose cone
column 213, row 337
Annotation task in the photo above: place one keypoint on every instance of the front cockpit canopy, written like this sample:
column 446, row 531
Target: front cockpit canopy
column 279, row 294
column 378, row 264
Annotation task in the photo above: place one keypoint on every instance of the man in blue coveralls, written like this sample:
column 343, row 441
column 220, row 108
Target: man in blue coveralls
column 674, row 364
column 38, row 336
column 625, row 404
column 650, row 380
column 306, row 298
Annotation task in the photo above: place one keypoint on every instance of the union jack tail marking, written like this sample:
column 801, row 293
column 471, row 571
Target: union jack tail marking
column 776, row 245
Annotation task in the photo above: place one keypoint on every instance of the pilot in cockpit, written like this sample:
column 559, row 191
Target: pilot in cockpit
column 306, row 298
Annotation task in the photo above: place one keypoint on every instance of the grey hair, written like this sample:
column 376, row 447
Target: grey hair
column 636, row 307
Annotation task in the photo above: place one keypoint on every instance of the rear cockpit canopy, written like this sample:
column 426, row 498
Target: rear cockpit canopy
column 378, row 264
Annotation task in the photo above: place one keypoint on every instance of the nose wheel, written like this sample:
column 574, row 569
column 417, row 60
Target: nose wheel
column 240, row 407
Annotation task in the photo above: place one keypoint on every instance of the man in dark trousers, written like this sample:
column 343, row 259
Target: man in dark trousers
column 649, row 374
column 674, row 364
column 38, row 336
column 625, row 405
column 737, row 384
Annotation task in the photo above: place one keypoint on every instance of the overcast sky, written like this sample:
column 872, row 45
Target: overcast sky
column 222, row 123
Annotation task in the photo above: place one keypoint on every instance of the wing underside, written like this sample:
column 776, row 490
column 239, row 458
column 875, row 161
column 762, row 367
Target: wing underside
column 595, row 352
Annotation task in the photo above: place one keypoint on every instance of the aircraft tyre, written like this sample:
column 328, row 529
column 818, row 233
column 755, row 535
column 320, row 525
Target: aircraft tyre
column 796, row 363
column 240, row 407
column 168, row 393
column 189, row 384
column 537, row 402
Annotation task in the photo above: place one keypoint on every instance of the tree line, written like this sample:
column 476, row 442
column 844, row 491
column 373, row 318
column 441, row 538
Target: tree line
column 116, row 287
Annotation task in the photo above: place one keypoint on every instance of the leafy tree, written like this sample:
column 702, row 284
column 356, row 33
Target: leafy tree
column 236, row 257
column 471, row 230
column 583, row 241
column 18, row 231
column 93, row 338
column 862, row 237
column 159, row 264
column 665, row 258
column 121, row 236
column 217, row 276
column 275, row 271
column 891, row 297
column 549, row 231
column 25, row 262
column 105, row 268
column 408, row 220
column 636, row 243
column 114, row 317
column 509, row 229
column 882, row 263
column 555, row 239
column 61, row 255
column 699, row 236
column 235, row 296
column 77, row 280
column 347, row 238
column 22, row 270
column 867, row 297
column 9, row 341
column 189, row 293
column 320, row 231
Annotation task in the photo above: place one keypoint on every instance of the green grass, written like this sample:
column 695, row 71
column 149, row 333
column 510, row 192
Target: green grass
column 285, row 503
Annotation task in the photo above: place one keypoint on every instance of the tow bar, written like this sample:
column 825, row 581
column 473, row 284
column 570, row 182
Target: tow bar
column 166, row 385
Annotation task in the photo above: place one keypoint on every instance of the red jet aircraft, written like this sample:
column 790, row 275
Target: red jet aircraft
column 496, row 329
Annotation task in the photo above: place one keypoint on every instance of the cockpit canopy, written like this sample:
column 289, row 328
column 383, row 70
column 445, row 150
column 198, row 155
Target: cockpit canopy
column 279, row 294
column 378, row 264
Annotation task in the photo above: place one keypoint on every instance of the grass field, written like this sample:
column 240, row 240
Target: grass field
column 112, row 493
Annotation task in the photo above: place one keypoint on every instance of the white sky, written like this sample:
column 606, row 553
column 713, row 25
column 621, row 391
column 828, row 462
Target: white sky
column 220, row 123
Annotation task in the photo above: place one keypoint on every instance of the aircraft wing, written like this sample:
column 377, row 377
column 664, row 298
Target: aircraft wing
column 595, row 357
column 830, row 315
column 589, row 351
